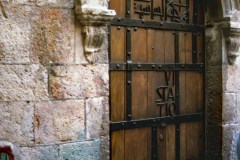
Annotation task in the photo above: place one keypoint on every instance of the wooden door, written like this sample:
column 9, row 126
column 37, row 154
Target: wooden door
column 157, row 80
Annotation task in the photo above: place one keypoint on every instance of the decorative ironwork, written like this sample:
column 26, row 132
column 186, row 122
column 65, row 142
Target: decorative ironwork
column 166, row 96
column 176, row 11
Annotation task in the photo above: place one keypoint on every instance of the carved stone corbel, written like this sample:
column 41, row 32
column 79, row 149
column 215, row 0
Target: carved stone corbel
column 233, row 44
column 232, row 38
column 93, row 15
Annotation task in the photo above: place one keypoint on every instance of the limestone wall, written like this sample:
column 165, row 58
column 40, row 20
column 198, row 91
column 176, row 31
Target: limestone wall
column 53, row 102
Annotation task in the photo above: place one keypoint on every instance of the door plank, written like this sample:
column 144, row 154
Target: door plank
column 169, row 47
column 170, row 142
column 136, row 144
column 117, row 145
column 139, row 45
column 191, row 104
column 118, row 44
column 182, row 87
column 119, row 7
column 117, row 95
column 139, row 95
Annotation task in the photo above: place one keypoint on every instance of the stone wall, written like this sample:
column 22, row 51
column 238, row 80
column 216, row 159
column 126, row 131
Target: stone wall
column 223, row 79
column 53, row 102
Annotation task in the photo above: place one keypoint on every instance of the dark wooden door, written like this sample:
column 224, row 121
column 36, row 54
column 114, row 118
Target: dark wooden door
column 157, row 80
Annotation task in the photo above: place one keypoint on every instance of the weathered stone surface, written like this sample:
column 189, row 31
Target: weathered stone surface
column 16, row 122
column 53, row 35
column 15, row 34
column 230, row 137
column 214, row 11
column 23, row 82
column 89, row 150
column 214, row 95
column 40, row 153
column 232, row 80
column 97, row 117
column 231, row 113
column 79, row 81
column 104, row 148
column 19, row 1
column 59, row 121
column 213, row 46
column 214, row 142
column 79, row 49
column 56, row 3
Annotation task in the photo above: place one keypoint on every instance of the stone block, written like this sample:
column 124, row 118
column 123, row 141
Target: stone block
column 23, row 82
column 59, row 121
column 39, row 153
column 97, row 117
column 15, row 34
column 79, row 81
column 89, row 150
column 231, row 113
column 232, row 78
column 16, row 122
column 53, row 35
column 56, row 3
column 230, row 138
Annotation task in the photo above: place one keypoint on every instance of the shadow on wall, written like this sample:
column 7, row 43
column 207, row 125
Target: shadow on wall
column 238, row 147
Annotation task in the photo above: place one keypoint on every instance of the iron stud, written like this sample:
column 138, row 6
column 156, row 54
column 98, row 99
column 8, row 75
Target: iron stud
column 161, row 137
column 129, row 82
column 183, row 66
column 139, row 66
column 118, row 27
column 135, row 28
column 129, row 53
column 153, row 66
column 159, row 66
